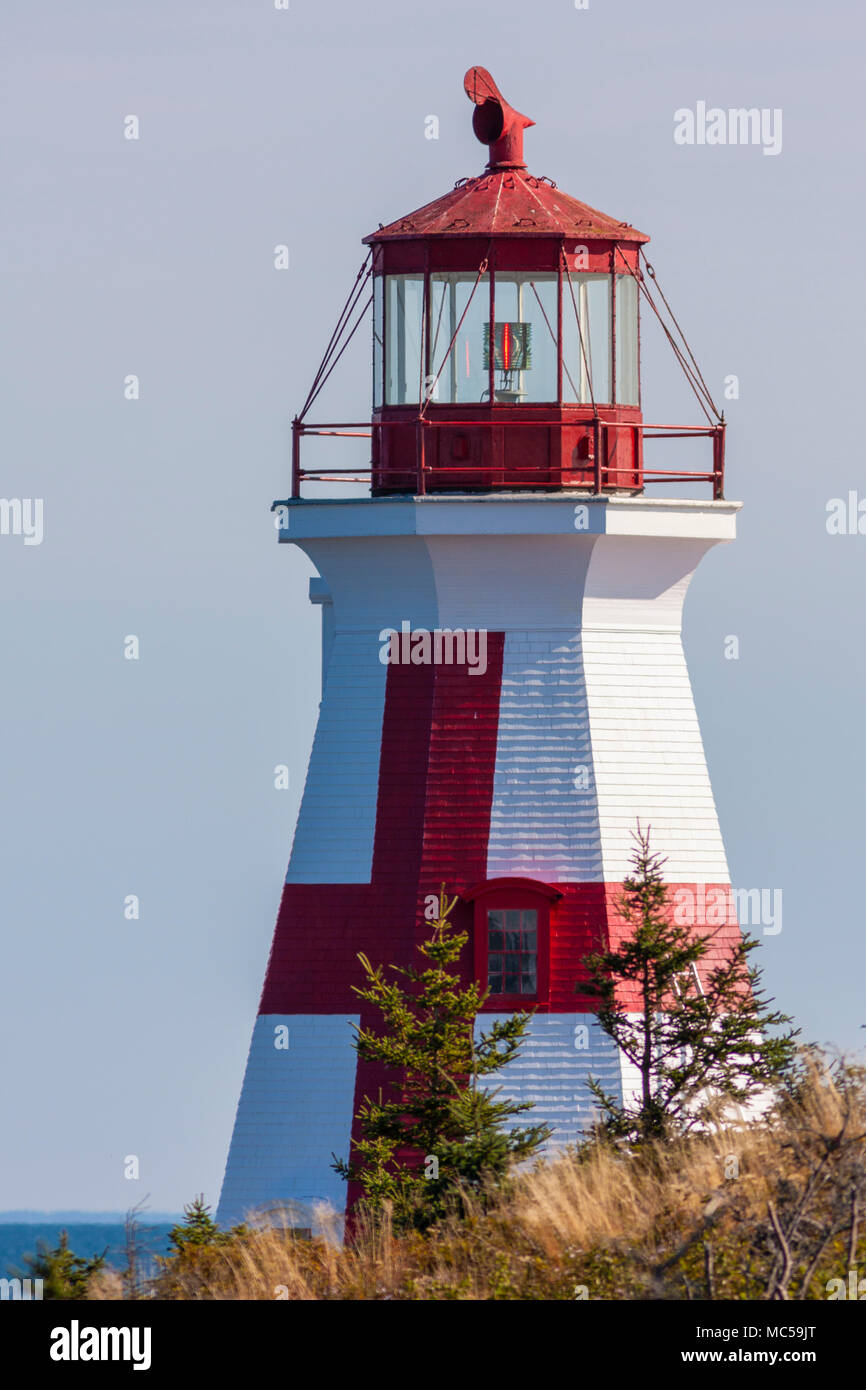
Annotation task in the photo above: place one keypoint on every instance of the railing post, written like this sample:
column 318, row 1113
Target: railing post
column 420, row 481
column 638, row 455
column 596, row 450
column 719, row 462
column 297, row 427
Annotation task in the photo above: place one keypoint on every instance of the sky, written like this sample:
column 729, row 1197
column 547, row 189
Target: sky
column 154, row 258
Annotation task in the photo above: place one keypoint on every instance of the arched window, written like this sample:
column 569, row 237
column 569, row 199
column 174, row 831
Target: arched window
column 512, row 940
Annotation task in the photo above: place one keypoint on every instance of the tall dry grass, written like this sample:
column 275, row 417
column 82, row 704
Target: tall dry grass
column 761, row 1210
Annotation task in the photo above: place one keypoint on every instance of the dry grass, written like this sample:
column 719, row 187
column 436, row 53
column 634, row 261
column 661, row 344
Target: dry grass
column 602, row 1224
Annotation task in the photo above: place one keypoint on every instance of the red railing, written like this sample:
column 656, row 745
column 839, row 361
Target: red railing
column 605, row 475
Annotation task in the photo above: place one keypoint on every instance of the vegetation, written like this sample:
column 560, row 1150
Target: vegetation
column 689, row 1191
column 440, row 1138
column 198, row 1246
column 700, row 1036
column 763, row 1211
column 65, row 1275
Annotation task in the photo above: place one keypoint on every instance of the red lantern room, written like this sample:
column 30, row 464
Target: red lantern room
column 506, row 314
column 506, row 337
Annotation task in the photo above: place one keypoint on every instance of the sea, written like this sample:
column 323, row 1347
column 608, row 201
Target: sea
column 87, row 1237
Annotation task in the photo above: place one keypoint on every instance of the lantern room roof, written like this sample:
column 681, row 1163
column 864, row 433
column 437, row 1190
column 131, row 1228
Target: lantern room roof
column 506, row 200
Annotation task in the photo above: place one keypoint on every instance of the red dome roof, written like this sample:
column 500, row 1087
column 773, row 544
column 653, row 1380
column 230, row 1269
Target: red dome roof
column 507, row 202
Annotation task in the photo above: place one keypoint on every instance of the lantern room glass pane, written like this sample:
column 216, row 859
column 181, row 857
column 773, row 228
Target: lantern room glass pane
column 404, row 336
column 525, row 354
column 461, row 364
column 378, row 338
column 627, row 388
column 586, row 315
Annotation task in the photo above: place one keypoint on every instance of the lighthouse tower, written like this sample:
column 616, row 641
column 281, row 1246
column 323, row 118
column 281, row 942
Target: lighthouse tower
column 504, row 687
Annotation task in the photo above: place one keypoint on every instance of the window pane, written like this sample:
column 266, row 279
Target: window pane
column 464, row 372
column 626, row 340
column 403, row 339
column 495, row 938
column 589, row 295
column 512, row 953
column 525, row 350
column 378, row 338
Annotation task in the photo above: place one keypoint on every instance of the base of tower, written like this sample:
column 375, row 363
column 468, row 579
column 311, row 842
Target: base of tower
column 296, row 1108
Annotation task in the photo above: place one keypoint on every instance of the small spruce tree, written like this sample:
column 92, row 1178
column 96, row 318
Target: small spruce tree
column 65, row 1275
column 198, row 1245
column 700, row 1041
column 198, row 1228
column 440, row 1134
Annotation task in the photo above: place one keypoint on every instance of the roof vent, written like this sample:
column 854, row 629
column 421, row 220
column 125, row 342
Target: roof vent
column 496, row 124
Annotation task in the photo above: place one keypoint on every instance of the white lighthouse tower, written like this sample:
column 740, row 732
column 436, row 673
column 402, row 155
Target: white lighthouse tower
column 534, row 702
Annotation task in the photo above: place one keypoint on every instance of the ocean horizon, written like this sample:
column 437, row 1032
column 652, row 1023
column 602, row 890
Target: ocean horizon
column 80, row 1215
column 90, row 1234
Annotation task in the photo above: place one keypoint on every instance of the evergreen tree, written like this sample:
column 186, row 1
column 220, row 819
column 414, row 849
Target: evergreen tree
column 441, row 1133
column 198, row 1248
column 699, row 1038
column 198, row 1228
column 65, row 1275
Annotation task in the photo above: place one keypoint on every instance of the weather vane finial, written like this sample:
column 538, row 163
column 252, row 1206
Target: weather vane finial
column 496, row 124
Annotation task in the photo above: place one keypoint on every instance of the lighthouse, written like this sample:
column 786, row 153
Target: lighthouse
column 504, row 689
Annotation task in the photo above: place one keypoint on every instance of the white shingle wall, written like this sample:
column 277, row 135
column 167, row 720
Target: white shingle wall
column 337, row 820
column 646, row 744
column 543, row 819
column 613, row 704
column 377, row 581
column 617, row 702
column 295, row 1110
column 648, row 755
column 631, row 1078
column 506, row 583
column 560, row 1052
column 296, row 1105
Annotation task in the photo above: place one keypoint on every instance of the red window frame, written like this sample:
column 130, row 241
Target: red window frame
column 500, row 894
